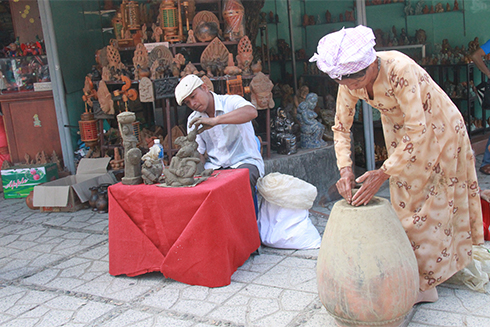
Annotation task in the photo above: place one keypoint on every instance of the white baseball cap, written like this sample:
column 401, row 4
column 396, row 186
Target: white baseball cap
column 186, row 86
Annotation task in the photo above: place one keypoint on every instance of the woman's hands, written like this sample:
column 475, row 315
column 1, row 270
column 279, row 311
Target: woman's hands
column 371, row 182
column 346, row 183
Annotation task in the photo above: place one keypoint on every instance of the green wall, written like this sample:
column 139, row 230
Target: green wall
column 78, row 34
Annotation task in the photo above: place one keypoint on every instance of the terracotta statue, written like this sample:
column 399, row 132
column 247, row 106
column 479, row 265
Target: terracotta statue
column 311, row 129
column 140, row 60
column 215, row 58
column 132, row 154
column 245, row 55
column 233, row 13
column 231, row 69
column 190, row 37
column 261, row 88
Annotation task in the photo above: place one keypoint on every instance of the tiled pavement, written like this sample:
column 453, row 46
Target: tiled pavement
column 54, row 272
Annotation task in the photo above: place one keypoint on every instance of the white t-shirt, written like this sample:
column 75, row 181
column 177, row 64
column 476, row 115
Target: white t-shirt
column 228, row 145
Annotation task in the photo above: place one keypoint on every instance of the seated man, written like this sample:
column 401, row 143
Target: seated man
column 225, row 130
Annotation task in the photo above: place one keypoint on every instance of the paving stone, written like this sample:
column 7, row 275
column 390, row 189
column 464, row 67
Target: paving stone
column 437, row 318
column 32, row 307
column 121, row 288
column 198, row 308
column 292, row 273
column 277, row 319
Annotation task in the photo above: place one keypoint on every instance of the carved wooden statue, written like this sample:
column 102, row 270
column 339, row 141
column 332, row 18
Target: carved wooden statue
column 132, row 154
column 261, row 88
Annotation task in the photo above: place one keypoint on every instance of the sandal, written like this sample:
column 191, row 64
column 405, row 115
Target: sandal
column 485, row 169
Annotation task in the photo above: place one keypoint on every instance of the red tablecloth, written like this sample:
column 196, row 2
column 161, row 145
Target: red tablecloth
column 196, row 235
column 485, row 210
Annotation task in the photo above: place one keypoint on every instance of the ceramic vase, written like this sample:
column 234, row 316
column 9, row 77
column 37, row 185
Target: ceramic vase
column 367, row 272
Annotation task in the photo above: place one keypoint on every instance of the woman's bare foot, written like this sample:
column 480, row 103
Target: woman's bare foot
column 429, row 295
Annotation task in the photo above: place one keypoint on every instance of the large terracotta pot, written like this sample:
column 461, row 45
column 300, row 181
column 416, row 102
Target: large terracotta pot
column 366, row 271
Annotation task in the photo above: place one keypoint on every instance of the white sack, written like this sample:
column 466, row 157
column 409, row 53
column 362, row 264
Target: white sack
column 287, row 228
column 287, row 191
column 476, row 274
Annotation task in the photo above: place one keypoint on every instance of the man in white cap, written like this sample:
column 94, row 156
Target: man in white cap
column 225, row 131
column 431, row 165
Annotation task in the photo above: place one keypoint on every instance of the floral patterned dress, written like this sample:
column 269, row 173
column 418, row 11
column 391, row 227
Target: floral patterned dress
column 433, row 182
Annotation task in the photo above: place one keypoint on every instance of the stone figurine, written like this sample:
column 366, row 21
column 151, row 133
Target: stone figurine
column 311, row 129
column 132, row 154
column 261, row 92
column 282, row 138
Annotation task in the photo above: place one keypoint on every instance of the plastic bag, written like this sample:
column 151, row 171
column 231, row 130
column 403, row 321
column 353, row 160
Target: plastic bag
column 477, row 273
column 287, row 191
column 286, row 228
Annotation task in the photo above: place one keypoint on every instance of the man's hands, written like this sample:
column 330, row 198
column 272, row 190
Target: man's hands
column 371, row 182
column 205, row 123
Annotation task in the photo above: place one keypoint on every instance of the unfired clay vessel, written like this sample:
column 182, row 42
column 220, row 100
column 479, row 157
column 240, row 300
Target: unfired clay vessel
column 366, row 271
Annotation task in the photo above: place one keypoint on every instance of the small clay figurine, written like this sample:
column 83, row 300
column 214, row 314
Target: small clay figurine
column 151, row 170
column 328, row 17
column 190, row 37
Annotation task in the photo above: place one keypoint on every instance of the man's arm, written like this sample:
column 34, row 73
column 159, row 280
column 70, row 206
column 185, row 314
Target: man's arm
column 477, row 57
column 238, row 116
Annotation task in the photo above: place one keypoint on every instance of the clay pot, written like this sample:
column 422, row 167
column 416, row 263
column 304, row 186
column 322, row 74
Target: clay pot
column 366, row 271
column 93, row 197
column 29, row 199
column 102, row 203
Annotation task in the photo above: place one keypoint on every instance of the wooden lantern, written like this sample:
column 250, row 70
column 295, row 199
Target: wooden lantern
column 170, row 21
column 88, row 129
column 133, row 15
column 235, row 86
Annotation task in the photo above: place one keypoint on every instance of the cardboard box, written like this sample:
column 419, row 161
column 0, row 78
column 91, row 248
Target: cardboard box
column 71, row 193
column 18, row 181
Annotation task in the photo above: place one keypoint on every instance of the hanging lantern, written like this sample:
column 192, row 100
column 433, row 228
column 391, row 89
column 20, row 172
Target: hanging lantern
column 88, row 129
column 170, row 21
column 133, row 15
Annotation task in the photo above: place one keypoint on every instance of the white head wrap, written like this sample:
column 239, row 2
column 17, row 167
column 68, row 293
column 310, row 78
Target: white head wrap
column 346, row 51
column 186, row 86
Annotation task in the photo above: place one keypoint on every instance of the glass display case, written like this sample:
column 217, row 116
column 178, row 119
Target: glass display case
column 21, row 73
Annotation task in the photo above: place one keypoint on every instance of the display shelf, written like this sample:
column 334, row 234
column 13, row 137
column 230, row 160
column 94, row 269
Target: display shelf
column 405, row 47
column 384, row 4
column 437, row 13
column 332, row 24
